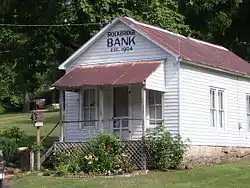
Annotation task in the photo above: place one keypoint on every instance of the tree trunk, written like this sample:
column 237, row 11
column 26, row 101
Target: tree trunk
column 26, row 104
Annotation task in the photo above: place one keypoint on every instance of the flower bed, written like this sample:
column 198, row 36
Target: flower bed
column 103, row 157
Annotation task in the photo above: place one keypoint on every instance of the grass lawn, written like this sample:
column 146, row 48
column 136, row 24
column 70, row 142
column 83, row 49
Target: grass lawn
column 22, row 120
column 231, row 175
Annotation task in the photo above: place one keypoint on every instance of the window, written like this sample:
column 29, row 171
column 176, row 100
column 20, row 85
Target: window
column 248, row 112
column 221, row 108
column 89, row 107
column 155, row 107
column 212, row 108
column 217, row 108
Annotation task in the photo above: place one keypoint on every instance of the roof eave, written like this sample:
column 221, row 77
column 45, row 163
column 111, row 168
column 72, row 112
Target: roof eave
column 245, row 75
column 63, row 66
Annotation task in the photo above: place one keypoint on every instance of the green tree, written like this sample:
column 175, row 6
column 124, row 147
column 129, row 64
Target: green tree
column 34, row 53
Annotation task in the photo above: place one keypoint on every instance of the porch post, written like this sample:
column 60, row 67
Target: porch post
column 143, row 117
column 100, row 108
column 61, row 116
column 143, row 109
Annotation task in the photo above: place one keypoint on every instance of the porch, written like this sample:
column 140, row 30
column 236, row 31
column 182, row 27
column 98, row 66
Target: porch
column 126, row 108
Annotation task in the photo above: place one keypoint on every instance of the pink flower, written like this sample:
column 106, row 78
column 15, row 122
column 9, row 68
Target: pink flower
column 109, row 148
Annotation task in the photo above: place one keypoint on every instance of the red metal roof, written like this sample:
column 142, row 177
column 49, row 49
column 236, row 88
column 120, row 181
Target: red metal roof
column 193, row 50
column 111, row 74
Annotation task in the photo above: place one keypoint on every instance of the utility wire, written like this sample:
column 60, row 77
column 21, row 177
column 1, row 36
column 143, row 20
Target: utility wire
column 49, row 25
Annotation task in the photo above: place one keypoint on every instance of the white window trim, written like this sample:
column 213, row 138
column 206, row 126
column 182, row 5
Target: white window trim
column 150, row 126
column 81, row 103
column 217, row 110
column 247, row 113
column 214, row 109
column 221, row 109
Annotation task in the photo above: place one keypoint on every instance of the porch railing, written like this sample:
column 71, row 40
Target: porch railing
column 125, row 127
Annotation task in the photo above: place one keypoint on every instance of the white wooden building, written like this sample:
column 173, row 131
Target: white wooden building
column 131, row 76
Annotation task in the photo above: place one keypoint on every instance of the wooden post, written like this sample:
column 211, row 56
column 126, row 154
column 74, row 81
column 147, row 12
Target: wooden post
column 100, row 109
column 143, row 110
column 31, row 160
column 38, row 139
column 143, row 116
column 61, row 116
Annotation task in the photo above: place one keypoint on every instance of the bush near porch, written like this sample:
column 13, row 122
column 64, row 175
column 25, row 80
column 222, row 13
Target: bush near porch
column 164, row 150
column 104, row 154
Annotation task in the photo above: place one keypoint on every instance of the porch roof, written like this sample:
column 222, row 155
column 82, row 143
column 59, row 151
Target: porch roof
column 109, row 74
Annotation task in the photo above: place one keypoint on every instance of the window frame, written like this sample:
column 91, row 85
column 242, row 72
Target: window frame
column 154, row 105
column 213, row 110
column 82, row 125
column 219, row 108
column 248, row 111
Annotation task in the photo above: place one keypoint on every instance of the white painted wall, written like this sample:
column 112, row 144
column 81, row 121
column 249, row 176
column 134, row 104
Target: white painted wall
column 195, row 108
column 156, row 81
column 165, row 78
column 98, row 53
column 171, row 97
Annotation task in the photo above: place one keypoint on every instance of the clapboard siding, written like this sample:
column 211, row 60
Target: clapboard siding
column 136, row 125
column 195, row 86
column 171, row 96
column 98, row 53
column 156, row 81
column 72, row 114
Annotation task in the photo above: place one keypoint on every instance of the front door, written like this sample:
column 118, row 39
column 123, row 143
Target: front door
column 121, row 112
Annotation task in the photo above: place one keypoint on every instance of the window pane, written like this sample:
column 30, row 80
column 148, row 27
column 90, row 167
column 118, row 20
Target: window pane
column 221, row 118
column 151, row 97
column 86, row 98
column 86, row 114
column 152, row 112
column 212, row 116
column 159, row 112
column 92, row 98
column 212, row 98
column 158, row 97
column 220, row 98
column 92, row 114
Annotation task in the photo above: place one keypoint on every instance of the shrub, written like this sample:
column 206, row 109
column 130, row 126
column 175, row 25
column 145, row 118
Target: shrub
column 164, row 150
column 10, row 150
column 105, row 141
column 103, row 157
column 16, row 134
column 62, row 169
column 105, row 147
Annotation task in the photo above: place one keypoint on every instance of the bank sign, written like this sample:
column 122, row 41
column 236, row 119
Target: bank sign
column 121, row 41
